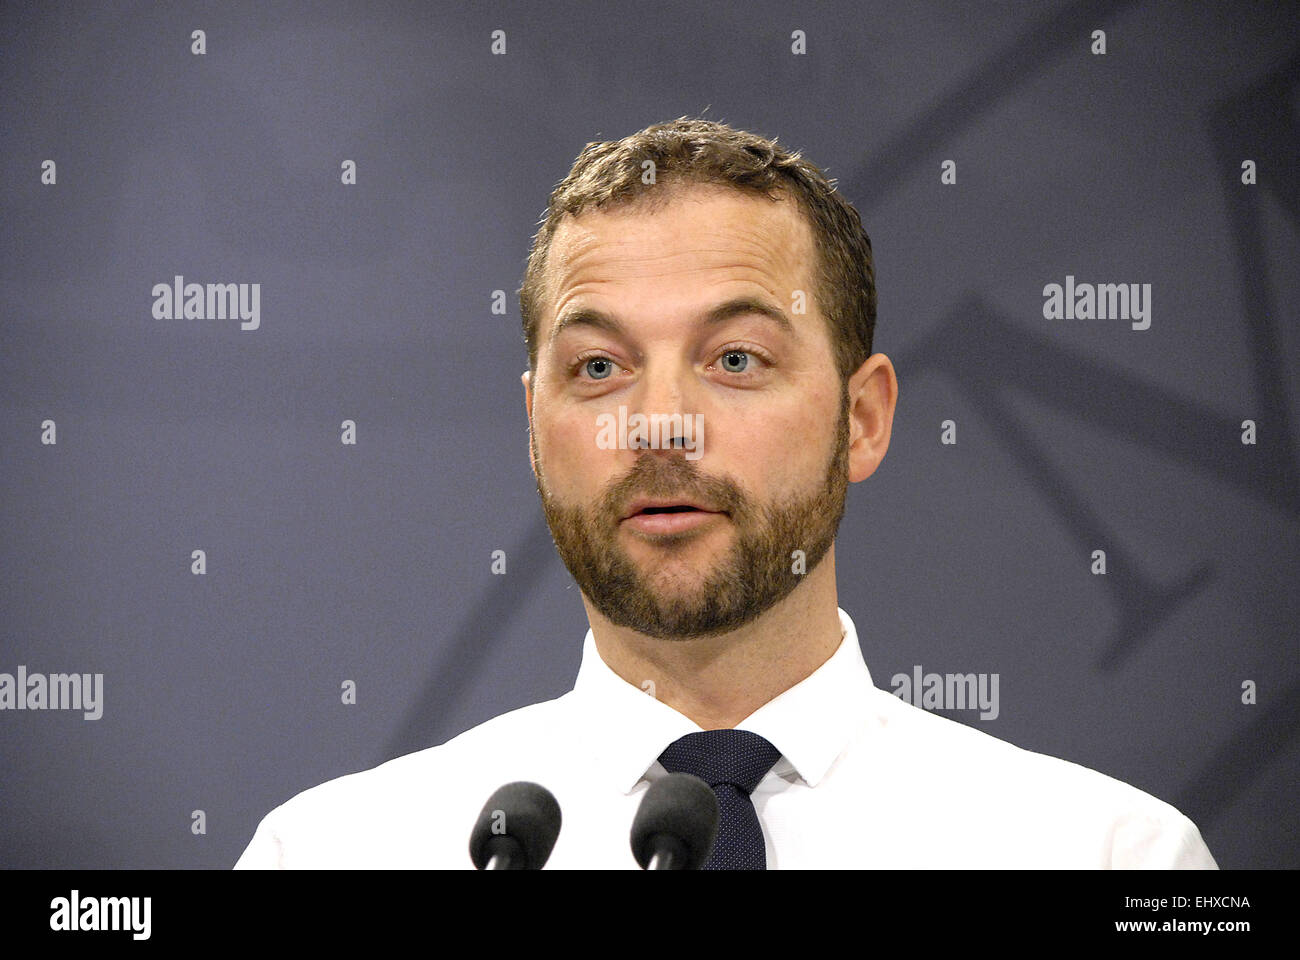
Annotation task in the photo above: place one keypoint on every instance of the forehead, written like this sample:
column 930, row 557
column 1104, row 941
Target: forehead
column 698, row 237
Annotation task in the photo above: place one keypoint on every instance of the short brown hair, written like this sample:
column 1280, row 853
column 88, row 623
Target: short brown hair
column 691, row 151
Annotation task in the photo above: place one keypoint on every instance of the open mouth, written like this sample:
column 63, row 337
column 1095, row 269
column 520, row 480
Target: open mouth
column 668, row 518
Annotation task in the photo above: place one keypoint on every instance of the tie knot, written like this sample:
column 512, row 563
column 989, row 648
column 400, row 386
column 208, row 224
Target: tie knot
column 738, row 757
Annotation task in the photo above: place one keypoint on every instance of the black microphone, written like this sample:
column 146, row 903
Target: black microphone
column 516, row 829
column 676, row 824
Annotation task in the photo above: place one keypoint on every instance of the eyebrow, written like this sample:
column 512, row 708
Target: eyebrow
column 737, row 306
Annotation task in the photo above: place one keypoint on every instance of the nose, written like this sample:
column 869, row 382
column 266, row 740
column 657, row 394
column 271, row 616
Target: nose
column 666, row 396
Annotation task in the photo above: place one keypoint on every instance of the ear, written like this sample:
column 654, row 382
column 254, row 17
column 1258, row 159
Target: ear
column 528, row 408
column 873, row 396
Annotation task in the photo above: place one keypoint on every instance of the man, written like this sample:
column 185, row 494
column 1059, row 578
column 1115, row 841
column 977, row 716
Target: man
column 699, row 308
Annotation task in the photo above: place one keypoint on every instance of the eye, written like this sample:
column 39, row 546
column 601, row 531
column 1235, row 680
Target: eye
column 735, row 361
column 595, row 366
column 738, row 361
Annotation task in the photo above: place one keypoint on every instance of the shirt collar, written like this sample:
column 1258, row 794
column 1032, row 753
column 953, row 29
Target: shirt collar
column 811, row 723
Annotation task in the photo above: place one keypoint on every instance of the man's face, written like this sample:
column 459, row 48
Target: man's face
column 770, row 475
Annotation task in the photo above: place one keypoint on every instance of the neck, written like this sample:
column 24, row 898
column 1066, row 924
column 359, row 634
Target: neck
column 718, row 681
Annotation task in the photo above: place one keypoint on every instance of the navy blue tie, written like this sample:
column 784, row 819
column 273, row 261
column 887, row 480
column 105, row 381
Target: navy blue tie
column 732, row 762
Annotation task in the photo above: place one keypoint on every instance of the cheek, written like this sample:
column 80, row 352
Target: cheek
column 573, row 462
column 781, row 450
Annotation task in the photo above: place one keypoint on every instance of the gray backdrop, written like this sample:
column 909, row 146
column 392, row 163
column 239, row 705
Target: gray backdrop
column 327, row 562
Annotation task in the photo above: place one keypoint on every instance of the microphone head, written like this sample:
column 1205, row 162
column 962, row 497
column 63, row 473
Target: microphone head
column 526, row 811
column 682, row 806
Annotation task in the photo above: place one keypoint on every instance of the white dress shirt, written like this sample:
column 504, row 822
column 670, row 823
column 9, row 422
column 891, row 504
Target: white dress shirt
column 865, row 780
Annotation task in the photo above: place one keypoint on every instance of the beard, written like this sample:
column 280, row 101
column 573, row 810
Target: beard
column 755, row 574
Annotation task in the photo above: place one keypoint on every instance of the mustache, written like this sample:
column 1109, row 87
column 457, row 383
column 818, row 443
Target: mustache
column 657, row 476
